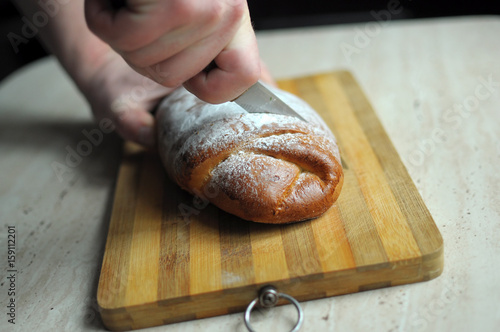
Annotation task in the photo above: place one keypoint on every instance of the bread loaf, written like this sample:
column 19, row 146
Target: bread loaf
column 261, row 167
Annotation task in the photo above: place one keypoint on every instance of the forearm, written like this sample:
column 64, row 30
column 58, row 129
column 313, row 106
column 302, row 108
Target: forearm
column 67, row 36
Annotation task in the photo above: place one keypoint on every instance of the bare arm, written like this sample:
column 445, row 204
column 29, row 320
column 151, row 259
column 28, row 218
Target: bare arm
column 67, row 36
column 113, row 90
column 169, row 41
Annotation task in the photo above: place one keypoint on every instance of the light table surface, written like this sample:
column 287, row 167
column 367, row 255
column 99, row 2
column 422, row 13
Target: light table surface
column 435, row 85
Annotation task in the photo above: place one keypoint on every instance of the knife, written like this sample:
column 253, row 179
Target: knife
column 259, row 99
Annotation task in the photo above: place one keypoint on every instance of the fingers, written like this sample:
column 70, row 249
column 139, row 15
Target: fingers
column 132, row 116
column 131, row 27
column 143, row 23
column 165, row 47
column 265, row 74
column 136, row 125
column 181, row 66
column 171, row 41
column 238, row 67
column 126, row 98
column 185, row 65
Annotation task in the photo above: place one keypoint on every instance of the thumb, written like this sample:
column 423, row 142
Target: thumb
column 238, row 67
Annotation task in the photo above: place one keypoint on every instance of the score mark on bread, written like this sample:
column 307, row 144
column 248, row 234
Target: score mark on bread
column 265, row 168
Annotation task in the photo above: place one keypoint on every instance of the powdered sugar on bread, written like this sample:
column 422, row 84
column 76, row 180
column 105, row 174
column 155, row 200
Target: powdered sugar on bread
column 203, row 144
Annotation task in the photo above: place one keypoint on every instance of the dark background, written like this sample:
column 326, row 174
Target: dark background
column 269, row 14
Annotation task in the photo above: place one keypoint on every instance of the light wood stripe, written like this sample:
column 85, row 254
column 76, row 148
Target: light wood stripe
column 392, row 227
column 236, row 252
column 300, row 250
column 145, row 243
column 289, row 85
column 328, row 231
column 332, row 244
column 173, row 275
column 215, row 263
column 267, row 251
column 205, row 262
column 114, row 271
column 427, row 235
column 366, row 246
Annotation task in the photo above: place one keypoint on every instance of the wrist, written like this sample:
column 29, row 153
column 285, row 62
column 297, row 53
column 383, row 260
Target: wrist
column 85, row 60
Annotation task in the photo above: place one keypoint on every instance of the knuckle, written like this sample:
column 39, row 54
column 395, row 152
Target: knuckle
column 231, row 16
column 186, row 10
column 237, row 4
column 214, row 14
column 238, row 8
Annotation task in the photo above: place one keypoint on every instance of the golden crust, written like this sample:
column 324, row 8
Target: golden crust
column 263, row 168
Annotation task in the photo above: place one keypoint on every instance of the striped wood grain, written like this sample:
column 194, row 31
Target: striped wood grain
column 171, row 257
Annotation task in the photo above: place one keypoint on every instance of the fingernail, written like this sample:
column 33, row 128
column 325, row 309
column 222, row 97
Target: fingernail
column 146, row 136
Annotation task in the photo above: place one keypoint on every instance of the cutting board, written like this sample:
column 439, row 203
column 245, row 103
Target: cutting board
column 170, row 257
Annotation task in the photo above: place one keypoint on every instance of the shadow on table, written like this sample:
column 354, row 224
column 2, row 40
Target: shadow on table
column 73, row 148
column 73, row 155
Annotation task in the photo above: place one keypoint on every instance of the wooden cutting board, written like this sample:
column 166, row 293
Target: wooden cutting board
column 170, row 257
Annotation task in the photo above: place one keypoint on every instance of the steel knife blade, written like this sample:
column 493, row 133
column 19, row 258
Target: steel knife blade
column 259, row 99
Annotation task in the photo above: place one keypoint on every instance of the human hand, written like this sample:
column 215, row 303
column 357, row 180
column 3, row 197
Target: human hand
column 116, row 92
column 172, row 41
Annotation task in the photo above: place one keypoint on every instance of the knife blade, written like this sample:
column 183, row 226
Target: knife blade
column 259, row 99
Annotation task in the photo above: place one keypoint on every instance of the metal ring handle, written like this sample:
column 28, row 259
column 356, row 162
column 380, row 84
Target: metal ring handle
column 293, row 301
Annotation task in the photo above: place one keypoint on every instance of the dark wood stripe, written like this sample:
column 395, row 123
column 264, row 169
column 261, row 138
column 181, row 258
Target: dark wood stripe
column 376, row 285
column 117, row 319
column 173, row 274
column 287, row 255
column 410, row 202
column 236, row 252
